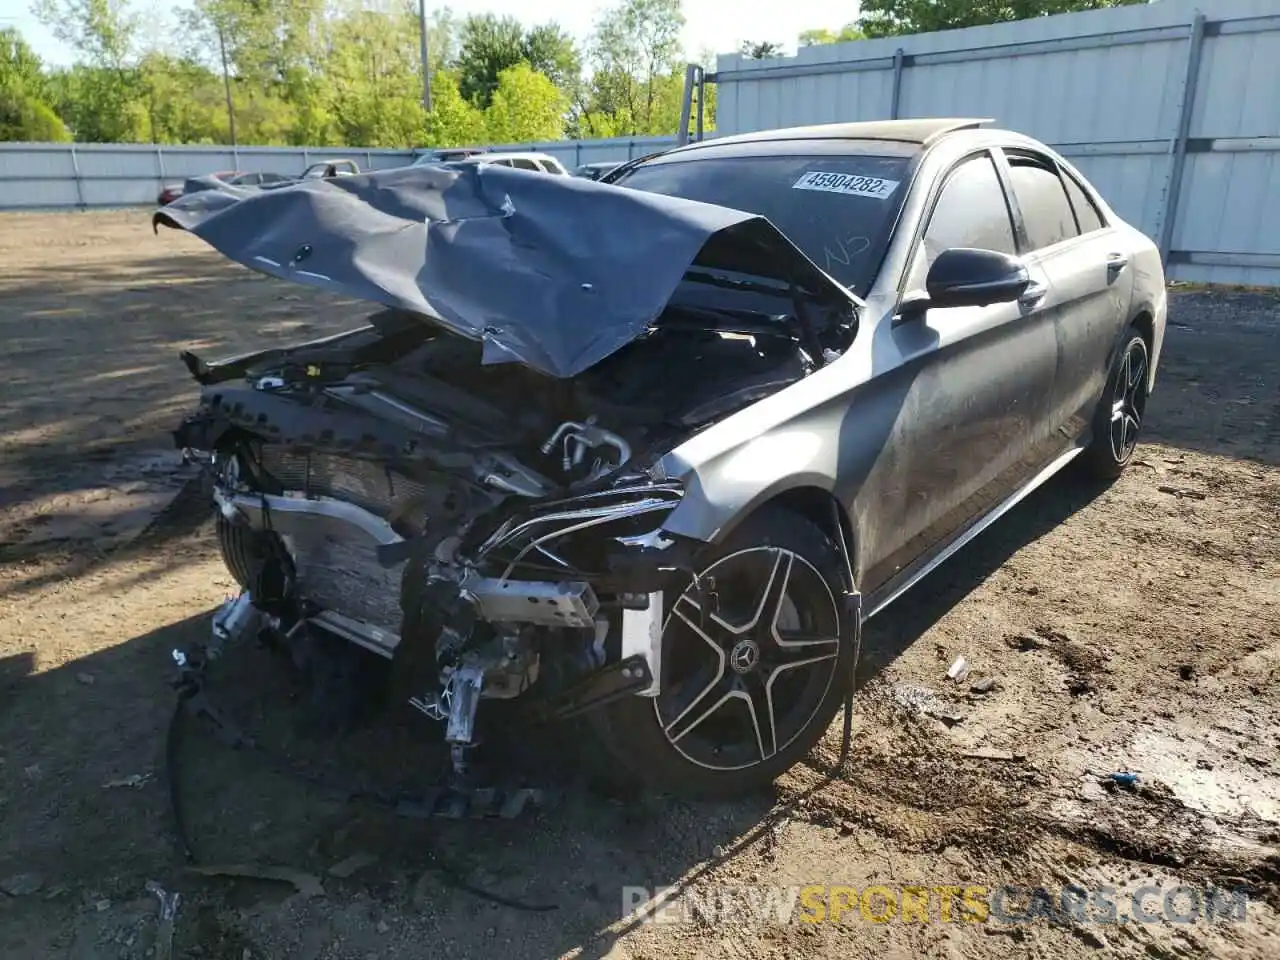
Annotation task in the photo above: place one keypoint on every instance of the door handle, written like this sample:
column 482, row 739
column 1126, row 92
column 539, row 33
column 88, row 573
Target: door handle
column 1117, row 262
column 1034, row 293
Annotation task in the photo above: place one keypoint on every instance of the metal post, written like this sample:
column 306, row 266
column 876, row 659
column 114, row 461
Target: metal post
column 426, row 64
column 686, row 104
column 1178, row 145
column 702, row 92
column 899, row 59
column 226, row 87
column 75, row 170
column 160, row 165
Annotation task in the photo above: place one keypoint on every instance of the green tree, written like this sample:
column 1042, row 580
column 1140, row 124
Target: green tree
column 103, row 32
column 887, row 18
column 526, row 106
column 25, row 118
column 488, row 45
column 638, row 75
column 454, row 120
column 182, row 100
column 20, row 67
column 821, row 35
column 24, row 114
column 760, row 50
column 371, row 77
column 274, row 50
column 552, row 52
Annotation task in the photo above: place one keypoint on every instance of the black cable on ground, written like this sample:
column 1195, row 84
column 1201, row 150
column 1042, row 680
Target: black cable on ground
column 846, row 735
column 173, row 771
column 449, row 874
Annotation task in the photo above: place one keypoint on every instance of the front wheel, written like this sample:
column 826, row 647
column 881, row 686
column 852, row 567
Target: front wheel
column 1118, row 419
column 756, row 652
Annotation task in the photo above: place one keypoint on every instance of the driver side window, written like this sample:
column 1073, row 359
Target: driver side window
column 971, row 212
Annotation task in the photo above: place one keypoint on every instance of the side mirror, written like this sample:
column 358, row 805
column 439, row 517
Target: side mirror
column 965, row 277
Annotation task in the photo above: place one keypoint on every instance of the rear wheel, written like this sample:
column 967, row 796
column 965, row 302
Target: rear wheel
column 1118, row 419
column 755, row 652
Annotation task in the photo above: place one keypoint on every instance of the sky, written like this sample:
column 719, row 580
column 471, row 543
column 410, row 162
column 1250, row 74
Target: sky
column 716, row 25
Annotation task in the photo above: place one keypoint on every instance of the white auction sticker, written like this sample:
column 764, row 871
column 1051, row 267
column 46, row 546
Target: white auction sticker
column 847, row 183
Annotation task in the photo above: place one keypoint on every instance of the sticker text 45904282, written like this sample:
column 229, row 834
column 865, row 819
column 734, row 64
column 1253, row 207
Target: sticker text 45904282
column 847, row 183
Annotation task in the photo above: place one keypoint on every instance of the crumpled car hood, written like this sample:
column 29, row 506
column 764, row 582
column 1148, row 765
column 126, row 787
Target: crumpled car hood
column 553, row 272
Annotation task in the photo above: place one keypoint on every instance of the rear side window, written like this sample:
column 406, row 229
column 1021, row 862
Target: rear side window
column 1046, row 212
column 521, row 163
column 971, row 212
column 1087, row 214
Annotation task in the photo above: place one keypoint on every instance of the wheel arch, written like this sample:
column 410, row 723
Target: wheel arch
column 1144, row 319
column 821, row 508
column 1146, row 324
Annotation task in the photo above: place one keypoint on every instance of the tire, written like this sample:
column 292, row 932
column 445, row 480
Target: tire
column 1118, row 420
column 242, row 550
column 724, row 667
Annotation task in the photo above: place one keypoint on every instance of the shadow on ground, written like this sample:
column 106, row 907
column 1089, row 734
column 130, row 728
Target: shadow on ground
column 93, row 380
column 91, row 364
column 73, row 726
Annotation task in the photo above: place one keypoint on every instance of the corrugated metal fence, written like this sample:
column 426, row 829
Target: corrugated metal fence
column 51, row 175
column 1172, row 109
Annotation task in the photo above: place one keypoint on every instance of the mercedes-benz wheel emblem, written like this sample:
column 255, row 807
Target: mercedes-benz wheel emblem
column 744, row 656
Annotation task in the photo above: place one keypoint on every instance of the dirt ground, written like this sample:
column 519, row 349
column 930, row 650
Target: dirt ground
column 1134, row 628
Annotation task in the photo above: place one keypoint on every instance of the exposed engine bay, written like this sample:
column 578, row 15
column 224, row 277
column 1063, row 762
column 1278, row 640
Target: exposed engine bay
column 493, row 528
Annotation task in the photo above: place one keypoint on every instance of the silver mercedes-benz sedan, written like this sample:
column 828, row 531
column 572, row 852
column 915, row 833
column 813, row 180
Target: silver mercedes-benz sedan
column 641, row 456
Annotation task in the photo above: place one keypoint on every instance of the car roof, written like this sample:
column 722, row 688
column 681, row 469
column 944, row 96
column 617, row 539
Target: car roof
column 920, row 132
column 514, row 155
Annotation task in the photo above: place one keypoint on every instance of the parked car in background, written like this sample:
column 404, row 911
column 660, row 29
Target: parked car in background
column 320, row 170
column 447, row 155
column 822, row 362
column 595, row 171
column 234, row 177
column 259, row 179
column 540, row 162
column 327, row 169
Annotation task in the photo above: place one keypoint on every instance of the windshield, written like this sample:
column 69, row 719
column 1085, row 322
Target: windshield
column 839, row 210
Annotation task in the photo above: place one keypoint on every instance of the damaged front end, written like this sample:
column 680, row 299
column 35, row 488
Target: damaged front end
column 472, row 488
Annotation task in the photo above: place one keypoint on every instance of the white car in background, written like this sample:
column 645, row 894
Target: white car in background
column 539, row 162
column 542, row 162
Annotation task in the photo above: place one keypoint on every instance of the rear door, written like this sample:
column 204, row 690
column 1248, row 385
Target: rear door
column 1085, row 262
column 975, row 382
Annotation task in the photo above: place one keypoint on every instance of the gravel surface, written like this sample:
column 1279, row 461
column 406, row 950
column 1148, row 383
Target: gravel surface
column 1131, row 629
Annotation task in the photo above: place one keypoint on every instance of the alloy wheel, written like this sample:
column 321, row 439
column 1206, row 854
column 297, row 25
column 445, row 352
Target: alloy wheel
column 751, row 648
column 1129, row 401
